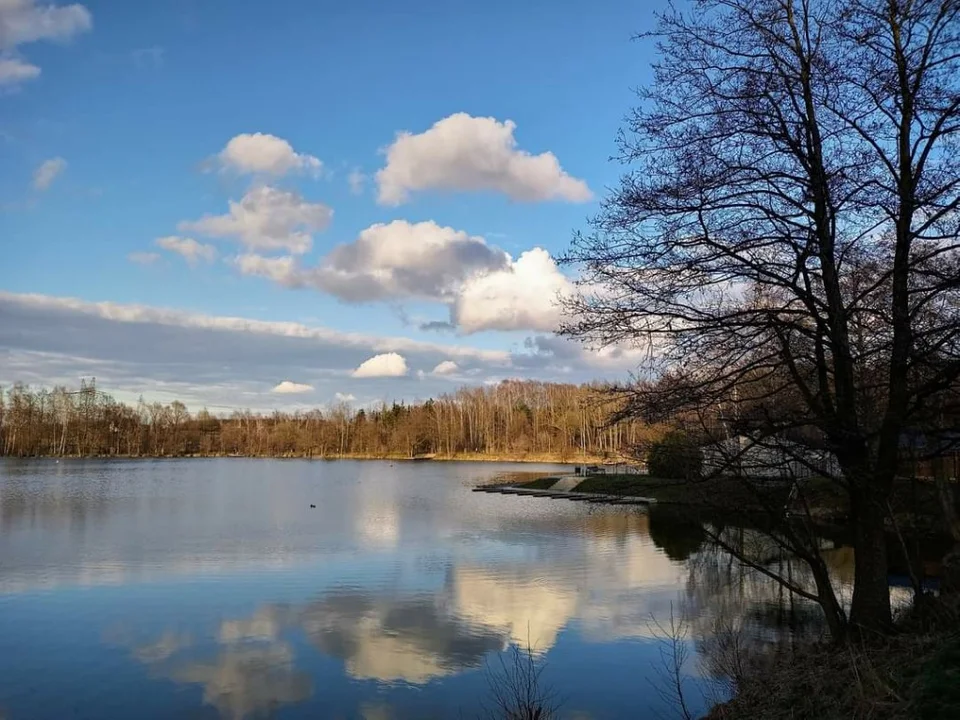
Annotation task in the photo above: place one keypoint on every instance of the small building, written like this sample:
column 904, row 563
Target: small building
column 743, row 456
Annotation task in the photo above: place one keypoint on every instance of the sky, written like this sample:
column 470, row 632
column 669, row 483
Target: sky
column 278, row 205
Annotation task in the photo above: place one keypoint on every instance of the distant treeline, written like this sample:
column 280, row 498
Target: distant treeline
column 510, row 420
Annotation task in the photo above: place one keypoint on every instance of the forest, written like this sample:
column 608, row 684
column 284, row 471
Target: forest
column 511, row 420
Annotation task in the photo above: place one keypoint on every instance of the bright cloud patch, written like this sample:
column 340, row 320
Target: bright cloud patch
column 480, row 284
column 267, row 219
column 465, row 153
column 402, row 259
column 192, row 251
column 385, row 365
column 291, row 388
column 227, row 363
column 447, row 367
column 264, row 154
column 14, row 71
column 522, row 297
column 23, row 22
column 389, row 261
column 48, row 171
column 344, row 397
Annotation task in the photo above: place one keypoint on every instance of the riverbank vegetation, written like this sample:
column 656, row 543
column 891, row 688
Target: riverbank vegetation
column 511, row 421
column 913, row 673
column 785, row 241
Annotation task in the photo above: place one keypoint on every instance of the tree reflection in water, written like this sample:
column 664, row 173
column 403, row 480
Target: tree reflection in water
column 739, row 617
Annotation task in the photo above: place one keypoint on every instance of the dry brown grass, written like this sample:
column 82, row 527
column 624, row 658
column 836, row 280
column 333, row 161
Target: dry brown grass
column 915, row 674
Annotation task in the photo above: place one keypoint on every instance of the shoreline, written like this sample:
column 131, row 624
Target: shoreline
column 463, row 457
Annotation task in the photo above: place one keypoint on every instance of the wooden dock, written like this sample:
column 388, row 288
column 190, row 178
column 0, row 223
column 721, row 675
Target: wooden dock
column 599, row 498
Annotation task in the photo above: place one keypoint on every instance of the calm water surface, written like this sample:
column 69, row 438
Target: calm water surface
column 210, row 588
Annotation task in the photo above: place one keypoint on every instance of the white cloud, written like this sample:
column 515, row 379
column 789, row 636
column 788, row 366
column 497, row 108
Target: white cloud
column 219, row 361
column 523, row 296
column 48, row 171
column 14, row 71
column 227, row 363
column 190, row 249
column 465, row 153
column 389, row 261
column 483, row 287
column 23, row 22
column 402, row 259
column 447, row 367
column 264, row 154
column 266, row 219
column 143, row 258
column 344, row 397
column 291, row 388
column 357, row 180
column 143, row 314
column 385, row 365
column 284, row 270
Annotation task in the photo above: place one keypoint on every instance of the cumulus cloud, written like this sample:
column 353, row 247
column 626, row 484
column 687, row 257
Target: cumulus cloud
column 447, row 367
column 465, row 153
column 384, row 365
column 14, row 71
column 523, row 296
column 265, row 154
column 23, row 22
column 266, row 219
column 143, row 258
column 344, row 397
column 402, row 259
column 483, row 287
column 192, row 251
column 389, row 261
column 47, row 172
column 291, row 388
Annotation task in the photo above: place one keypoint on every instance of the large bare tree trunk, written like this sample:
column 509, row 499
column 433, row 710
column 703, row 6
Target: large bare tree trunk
column 870, row 606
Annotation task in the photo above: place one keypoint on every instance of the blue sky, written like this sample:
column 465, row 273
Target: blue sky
column 127, row 123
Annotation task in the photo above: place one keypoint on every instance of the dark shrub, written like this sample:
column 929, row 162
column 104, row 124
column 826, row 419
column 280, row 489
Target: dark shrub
column 676, row 456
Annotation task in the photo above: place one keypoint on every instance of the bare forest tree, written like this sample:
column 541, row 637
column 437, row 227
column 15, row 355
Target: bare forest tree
column 509, row 420
column 786, row 239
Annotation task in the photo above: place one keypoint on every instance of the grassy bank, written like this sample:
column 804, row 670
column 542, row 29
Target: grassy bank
column 716, row 493
column 915, row 503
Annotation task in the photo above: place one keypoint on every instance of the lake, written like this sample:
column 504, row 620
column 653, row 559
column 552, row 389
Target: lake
column 210, row 588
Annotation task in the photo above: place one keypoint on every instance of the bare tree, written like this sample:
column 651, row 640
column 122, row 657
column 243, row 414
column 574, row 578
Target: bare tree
column 674, row 656
column 787, row 235
column 511, row 419
column 516, row 688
